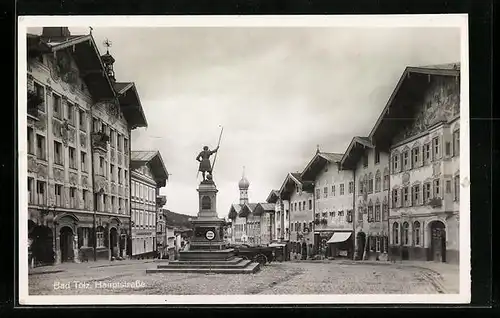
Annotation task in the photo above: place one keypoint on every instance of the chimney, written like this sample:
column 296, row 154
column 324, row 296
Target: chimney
column 56, row 32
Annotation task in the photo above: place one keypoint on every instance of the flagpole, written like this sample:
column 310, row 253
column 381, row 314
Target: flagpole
column 218, row 143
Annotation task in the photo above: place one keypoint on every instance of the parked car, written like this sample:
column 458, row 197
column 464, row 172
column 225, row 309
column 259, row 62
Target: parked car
column 259, row 254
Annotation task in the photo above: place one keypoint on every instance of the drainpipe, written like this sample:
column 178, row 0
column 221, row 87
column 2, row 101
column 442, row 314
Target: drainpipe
column 129, row 239
column 389, row 205
column 353, row 213
column 94, row 203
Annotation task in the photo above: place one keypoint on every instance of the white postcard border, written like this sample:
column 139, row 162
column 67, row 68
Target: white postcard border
column 372, row 21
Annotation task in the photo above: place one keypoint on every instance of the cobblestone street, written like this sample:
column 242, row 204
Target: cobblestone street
column 328, row 277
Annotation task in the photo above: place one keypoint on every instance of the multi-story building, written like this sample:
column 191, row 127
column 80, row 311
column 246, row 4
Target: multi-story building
column 147, row 177
column 161, row 226
column 332, row 204
column 298, row 197
column 239, row 219
column 371, row 171
column 267, row 228
column 420, row 128
column 79, row 125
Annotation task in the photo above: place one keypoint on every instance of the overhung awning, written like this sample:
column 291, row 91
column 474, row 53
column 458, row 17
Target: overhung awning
column 338, row 237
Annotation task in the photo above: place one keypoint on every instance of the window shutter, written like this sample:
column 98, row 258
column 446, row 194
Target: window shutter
column 421, row 156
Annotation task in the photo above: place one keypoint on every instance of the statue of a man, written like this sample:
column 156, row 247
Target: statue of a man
column 204, row 159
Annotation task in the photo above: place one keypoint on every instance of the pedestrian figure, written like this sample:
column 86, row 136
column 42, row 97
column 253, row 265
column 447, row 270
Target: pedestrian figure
column 204, row 159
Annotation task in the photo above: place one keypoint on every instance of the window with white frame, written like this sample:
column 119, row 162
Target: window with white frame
column 395, row 199
column 416, row 233
column 427, row 153
column 83, row 161
column 437, row 188
column 72, row 198
column 31, row 191
column 72, row 157
column 415, row 155
column 415, row 194
column 58, row 193
column 370, row 183
column 406, row 229
column 58, row 153
column 456, row 187
column 386, row 180
column 456, row 143
column 31, row 137
column 378, row 181
column 377, row 212
column 436, row 148
column 82, row 120
column 56, row 105
column 385, row 212
column 377, row 244
column 395, row 233
column 406, row 160
column 318, row 193
column 406, row 197
column 377, row 156
column 70, row 113
column 41, row 192
column 325, row 192
column 427, row 192
column 351, row 187
column 100, row 237
column 341, row 189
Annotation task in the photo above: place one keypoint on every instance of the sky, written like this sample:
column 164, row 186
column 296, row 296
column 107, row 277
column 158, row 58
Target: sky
column 277, row 92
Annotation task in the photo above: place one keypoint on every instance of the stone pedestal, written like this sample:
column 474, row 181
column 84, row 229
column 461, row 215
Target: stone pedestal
column 207, row 256
column 200, row 247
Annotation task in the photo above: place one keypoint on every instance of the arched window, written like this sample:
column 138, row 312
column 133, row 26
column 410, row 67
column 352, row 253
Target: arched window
column 378, row 181
column 406, row 228
column 386, row 179
column 395, row 233
column 370, row 211
column 370, row 183
column 206, row 203
column 416, row 233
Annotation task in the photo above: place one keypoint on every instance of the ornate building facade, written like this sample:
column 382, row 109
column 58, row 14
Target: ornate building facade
column 297, row 195
column 371, row 199
column 148, row 176
column 420, row 128
column 332, row 204
column 79, row 128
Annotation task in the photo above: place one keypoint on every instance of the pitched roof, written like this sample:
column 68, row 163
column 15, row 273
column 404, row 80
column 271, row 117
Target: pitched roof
column 92, row 70
column 234, row 210
column 131, row 105
column 246, row 209
column 152, row 157
column 317, row 163
column 273, row 196
column 354, row 151
column 412, row 82
column 264, row 207
column 293, row 178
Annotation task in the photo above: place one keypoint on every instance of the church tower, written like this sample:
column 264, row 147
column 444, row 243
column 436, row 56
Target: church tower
column 243, row 185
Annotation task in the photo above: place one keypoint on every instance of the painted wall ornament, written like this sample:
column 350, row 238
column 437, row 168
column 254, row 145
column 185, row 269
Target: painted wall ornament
column 83, row 140
column 32, row 166
column 436, row 169
column 85, row 181
column 41, row 123
column 73, row 178
column 406, row 178
column 41, row 170
column 58, row 174
column 71, row 134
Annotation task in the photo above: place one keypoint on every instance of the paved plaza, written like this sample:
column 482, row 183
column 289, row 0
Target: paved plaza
column 301, row 277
